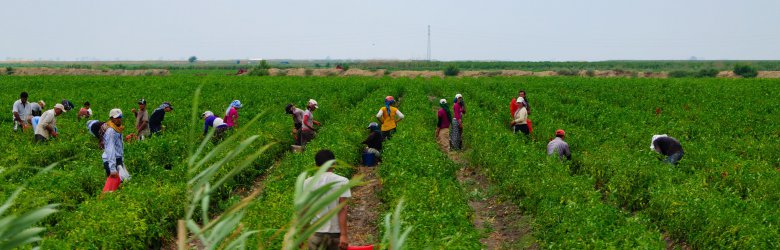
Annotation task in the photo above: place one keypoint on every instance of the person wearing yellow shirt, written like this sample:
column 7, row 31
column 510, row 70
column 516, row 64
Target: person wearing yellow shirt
column 388, row 117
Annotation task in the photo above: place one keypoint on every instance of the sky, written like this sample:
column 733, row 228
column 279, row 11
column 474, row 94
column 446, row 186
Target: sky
column 541, row 30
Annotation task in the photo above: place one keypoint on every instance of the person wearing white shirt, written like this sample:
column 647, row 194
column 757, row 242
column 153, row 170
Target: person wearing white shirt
column 333, row 234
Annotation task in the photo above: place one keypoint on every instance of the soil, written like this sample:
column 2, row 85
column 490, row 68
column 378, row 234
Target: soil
column 84, row 72
column 672, row 244
column 502, row 221
column 363, row 213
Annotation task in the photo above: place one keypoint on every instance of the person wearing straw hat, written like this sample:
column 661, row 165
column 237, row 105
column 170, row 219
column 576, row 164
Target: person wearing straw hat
column 141, row 120
column 444, row 117
column 47, row 125
column 308, row 132
column 519, row 123
column 669, row 147
column 389, row 116
column 559, row 146
column 157, row 117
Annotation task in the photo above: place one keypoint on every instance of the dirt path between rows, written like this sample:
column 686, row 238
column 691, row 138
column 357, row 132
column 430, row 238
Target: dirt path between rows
column 363, row 213
column 502, row 221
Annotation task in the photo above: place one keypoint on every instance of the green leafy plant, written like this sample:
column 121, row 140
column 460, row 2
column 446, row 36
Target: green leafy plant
column 451, row 70
column 745, row 71
column 18, row 230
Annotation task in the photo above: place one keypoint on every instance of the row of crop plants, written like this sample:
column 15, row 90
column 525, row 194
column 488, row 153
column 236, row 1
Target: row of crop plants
column 342, row 131
column 143, row 213
column 416, row 170
column 567, row 211
column 609, row 124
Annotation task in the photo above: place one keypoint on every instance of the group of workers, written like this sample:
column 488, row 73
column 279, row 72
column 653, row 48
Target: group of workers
column 333, row 234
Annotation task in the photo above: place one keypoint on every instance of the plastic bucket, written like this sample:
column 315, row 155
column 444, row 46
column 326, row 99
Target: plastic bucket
column 369, row 160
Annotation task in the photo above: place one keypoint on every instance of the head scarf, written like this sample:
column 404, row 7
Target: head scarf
column 655, row 137
column 374, row 127
column 164, row 105
column 234, row 104
column 446, row 109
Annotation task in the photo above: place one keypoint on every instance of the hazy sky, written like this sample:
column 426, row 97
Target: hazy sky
column 460, row 30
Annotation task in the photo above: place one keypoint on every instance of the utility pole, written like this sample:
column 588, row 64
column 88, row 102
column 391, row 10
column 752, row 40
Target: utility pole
column 429, row 43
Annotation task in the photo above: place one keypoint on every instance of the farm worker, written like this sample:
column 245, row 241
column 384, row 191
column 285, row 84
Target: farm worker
column 37, row 108
column 374, row 140
column 389, row 116
column 113, row 153
column 141, row 120
column 220, row 127
column 308, row 132
column 67, row 104
column 519, row 122
column 155, row 121
column 514, row 107
column 444, row 116
column 95, row 128
column 47, row 125
column 208, row 121
column 667, row 146
column 333, row 233
column 231, row 114
column 456, row 129
column 22, row 111
column 297, row 117
column 85, row 111
column 558, row 146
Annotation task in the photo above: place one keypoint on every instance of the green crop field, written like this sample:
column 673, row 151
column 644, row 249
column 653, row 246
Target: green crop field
column 614, row 194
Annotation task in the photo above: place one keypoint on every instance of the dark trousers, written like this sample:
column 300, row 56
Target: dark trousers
column 386, row 135
column 324, row 241
column 119, row 161
column 675, row 158
column 39, row 138
column 521, row 128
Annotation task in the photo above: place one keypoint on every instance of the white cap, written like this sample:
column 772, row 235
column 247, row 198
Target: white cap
column 207, row 114
column 458, row 96
column 60, row 106
column 520, row 100
column 655, row 137
column 218, row 122
column 115, row 113
column 313, row 102
column 443, row 101
column 42, row 103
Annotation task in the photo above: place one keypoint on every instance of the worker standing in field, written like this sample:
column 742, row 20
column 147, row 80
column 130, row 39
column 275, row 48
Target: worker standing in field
column 113, row 152
column 297, row 117
column 22, row 111
column 141, row 120
column 158, row 115
column 374, row 141
column 519, row 122
column 444, row 117
column 231, row 114
column 308, row 132
column 456, row 128
column 669, row 147
column 559, row 146
column 332, row 234
column 514, row 107
column 389, row 116
column 47, row 126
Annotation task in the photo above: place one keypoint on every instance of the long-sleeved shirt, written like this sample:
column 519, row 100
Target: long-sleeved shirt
column 444, row 121
column 114, row 148
column 155, row 121
column 458, row 111
column 559, row 146
column 297, row 117
column 209, row 122
column 521, row 116
column 667, row 145
column 374, row 141
column 231, row 117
